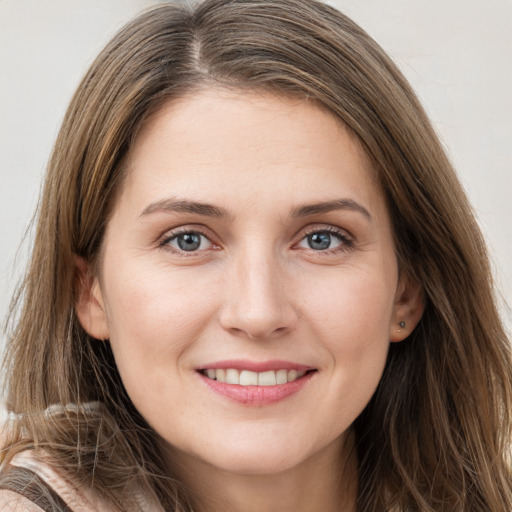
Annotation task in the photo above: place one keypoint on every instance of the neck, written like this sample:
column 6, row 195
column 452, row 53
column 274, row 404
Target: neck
column 327, row 481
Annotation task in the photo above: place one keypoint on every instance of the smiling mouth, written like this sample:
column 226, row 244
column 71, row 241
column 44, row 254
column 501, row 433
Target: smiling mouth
column 249, row 378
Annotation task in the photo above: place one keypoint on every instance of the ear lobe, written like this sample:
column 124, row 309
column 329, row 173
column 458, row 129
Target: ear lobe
column 407, row 310
column 89, row 305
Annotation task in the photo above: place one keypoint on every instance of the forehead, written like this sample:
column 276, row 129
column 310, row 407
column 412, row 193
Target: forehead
column 224, row 144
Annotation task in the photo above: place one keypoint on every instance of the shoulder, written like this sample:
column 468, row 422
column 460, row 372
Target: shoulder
column 22, row 489
column 13, row 502
column 32, row 484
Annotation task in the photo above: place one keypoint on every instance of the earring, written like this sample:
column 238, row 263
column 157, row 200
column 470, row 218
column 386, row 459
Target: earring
column 402, row 325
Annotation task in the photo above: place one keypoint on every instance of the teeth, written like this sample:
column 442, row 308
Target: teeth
column 282, row 377
column 267, row 379
column 248, row 378
column 232, row 377
column 292, row 374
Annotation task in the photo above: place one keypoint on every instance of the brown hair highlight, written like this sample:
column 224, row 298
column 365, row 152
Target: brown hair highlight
column 436, row 434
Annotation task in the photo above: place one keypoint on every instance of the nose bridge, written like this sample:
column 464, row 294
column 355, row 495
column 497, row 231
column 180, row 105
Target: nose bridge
column 258, row 302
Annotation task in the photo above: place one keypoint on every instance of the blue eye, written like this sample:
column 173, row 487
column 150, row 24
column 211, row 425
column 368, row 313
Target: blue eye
column 189, row 241
column 319, row 241
column 323, row 240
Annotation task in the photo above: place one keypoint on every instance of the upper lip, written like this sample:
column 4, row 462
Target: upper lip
column 256, row 366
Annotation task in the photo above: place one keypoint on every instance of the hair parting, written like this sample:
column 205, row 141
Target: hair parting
column 436, row 434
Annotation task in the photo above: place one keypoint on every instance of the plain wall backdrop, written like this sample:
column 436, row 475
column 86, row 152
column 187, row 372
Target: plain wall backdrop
column 456, row 53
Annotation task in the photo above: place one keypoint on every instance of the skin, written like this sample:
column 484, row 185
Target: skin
column 256, row 290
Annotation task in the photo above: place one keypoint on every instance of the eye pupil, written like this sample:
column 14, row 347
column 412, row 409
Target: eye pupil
column 319, row 241
column 189, row 241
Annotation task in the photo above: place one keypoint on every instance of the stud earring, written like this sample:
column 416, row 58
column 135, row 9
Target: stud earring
column 401, row 325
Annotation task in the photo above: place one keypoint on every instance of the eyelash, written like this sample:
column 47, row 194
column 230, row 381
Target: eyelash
column 347, row 242
column 165, row 241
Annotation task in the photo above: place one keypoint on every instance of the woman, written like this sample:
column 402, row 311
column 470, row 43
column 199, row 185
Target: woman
column 256, row 283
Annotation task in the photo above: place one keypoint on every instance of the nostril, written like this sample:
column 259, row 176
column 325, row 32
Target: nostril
column 257, row 319
column 263, row 334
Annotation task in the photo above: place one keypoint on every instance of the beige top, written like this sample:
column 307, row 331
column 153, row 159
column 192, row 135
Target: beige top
column 78, row 499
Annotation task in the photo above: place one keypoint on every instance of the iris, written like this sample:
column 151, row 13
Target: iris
column 319, row 241
column 189, row 241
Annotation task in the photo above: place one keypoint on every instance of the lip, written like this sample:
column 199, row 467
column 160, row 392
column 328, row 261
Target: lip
column 256, row 395
column 255, row 366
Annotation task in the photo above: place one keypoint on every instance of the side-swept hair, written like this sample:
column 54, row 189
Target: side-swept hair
column 436, row 434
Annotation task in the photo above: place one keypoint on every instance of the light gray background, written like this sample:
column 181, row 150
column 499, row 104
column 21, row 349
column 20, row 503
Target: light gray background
column 456, row 53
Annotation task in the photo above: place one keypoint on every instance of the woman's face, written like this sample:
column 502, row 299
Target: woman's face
column 251, row 245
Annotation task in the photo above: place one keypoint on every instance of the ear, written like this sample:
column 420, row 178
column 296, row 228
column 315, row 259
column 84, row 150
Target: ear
column 407, row 309
column 89, row 306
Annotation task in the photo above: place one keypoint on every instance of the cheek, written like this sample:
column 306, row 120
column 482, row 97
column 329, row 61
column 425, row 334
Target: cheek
column 354, row 305
column 154, row 313
column 155, row 317
column 351, row 319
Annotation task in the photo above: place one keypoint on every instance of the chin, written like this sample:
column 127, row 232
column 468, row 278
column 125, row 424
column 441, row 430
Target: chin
column 257, row 462
column 251, row 454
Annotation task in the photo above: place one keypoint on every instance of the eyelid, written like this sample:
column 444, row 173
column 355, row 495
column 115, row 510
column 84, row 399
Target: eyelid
column 347, row 238
column 164, row 239
column 318, row 227
column 326, row 227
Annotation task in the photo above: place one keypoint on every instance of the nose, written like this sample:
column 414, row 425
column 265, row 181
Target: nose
column 258, row 300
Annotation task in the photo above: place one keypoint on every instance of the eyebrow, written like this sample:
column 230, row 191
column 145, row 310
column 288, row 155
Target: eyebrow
column 329, row 206
column 184, row 206
column 209, row 210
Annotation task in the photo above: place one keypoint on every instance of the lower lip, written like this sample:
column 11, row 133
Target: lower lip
column 257, row 395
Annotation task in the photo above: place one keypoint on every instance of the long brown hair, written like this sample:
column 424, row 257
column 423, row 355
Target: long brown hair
column 436, row 434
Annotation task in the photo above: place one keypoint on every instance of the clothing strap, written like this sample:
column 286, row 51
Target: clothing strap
column 29, row 485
